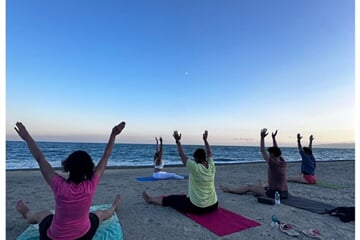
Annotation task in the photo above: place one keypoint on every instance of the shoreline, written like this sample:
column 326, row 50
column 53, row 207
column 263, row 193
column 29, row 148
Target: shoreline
column 140, row 220
column 172, row 165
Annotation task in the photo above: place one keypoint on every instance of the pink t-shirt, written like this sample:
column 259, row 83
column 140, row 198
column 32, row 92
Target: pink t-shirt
column 72, row 204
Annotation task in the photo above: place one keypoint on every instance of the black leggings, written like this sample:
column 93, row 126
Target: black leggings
column 271, row 193
column 46, row 222
column 183, row 204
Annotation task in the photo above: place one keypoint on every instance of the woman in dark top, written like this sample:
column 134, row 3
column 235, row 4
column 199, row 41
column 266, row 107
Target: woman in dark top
column 276, row 172
column 308, row 163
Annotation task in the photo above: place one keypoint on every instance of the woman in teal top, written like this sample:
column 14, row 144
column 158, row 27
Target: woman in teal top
column 201, row 196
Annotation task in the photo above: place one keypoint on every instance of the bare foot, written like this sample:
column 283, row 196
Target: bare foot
column 146, row 197
column 22, row 208
column 116, row 202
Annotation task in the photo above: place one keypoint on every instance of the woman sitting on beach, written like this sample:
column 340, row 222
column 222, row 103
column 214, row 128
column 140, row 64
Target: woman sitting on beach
column 276, row 172
column 159, row 173
column 308, row 163
column 201, row 196
column 73, row 196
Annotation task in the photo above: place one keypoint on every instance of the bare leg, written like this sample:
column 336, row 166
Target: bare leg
column 35, row 218
column 107, row 213
column 154, row 200
column 258, row 189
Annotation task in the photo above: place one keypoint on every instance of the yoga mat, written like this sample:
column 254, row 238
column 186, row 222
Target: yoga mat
column 327, row 185
column 109, row 229
column 307, row 204
column 223, row 222
column 151, row 179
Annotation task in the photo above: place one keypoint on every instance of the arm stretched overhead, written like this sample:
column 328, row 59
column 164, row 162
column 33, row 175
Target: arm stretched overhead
column 311, row 139
column 264, row 153
column 299, row 137
column 207, row 146
column 273, row 135
column 182, row 154
column 46, row 169
column 99, row 169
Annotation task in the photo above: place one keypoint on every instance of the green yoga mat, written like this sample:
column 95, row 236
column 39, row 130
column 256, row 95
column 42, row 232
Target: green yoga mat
column 327, row 185
column 109, row 229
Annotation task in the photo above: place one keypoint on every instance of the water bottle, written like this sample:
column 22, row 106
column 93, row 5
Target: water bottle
column 277, row 198
column 274, row 217
column 274, row 221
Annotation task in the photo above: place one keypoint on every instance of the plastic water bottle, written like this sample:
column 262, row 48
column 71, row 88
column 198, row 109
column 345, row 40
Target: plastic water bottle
column 274, row 217
column 277, row 198
column 274, row 221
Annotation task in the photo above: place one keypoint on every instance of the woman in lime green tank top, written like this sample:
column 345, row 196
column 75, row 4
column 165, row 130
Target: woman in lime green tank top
column 201, row 197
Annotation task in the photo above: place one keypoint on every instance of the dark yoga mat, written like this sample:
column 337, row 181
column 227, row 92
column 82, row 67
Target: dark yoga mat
column 307, row 204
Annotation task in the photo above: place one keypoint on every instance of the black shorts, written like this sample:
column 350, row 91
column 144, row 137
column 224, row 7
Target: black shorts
column 46, row 222
column 182, row 203
column 271, row 193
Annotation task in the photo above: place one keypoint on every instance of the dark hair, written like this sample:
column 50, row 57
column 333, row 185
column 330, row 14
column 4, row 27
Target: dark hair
column 199, row 155
column 307, row 150
column 80, row 166
column 274, row 151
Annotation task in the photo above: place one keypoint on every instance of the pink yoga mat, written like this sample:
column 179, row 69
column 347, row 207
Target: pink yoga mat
column 223, row 222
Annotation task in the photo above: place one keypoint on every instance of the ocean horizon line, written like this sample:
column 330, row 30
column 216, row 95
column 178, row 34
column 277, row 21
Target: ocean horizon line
column 127, row 154
column 172, row 165
column 345, row 145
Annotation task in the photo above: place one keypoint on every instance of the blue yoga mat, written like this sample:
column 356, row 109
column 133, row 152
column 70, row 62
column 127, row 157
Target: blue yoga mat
column 108, row 230
column 151, row 179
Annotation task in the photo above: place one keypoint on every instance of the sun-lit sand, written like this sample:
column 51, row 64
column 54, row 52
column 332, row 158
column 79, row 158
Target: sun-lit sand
column 140, row 220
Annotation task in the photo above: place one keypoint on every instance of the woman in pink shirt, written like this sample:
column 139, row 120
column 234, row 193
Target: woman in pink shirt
column 73, row 196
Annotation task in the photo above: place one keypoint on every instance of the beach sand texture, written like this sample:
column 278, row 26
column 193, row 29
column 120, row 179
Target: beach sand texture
column 140, row 220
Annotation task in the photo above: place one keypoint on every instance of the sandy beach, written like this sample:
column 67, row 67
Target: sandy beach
column 140, row 220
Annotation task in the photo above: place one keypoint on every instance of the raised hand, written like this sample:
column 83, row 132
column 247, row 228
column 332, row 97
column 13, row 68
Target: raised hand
column 299, row 137
column 205, row 135
column 311, row 138
column 161, row 140
column 21, row 130
column 118, row 128
column 177, row 136
column 263, row 133
column 273, row 134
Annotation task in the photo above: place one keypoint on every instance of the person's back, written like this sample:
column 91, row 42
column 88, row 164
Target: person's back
column 276, row 166
column 277, row 174
column 201, row 196
column 73, row 197
column 201, row 183
column 308, row 163
column 72, row 204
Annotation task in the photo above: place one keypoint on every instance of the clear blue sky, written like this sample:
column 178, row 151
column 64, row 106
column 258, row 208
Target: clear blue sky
column 76, row 68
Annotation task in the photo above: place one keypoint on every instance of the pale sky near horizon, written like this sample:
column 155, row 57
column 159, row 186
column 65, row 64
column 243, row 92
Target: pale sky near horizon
column 76, row 68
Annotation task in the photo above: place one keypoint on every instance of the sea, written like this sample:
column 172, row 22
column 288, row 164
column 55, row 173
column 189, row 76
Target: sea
column 18, row 155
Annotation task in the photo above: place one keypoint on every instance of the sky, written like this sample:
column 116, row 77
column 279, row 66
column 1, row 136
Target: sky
column 74, row 69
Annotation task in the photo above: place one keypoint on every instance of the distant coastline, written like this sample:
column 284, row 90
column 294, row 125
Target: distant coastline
column 350, row 145
column 335, row 145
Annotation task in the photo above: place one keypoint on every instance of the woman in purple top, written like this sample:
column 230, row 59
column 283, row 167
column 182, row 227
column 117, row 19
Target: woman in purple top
column 276, row 172
column 73, row 196
column 308, row 163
